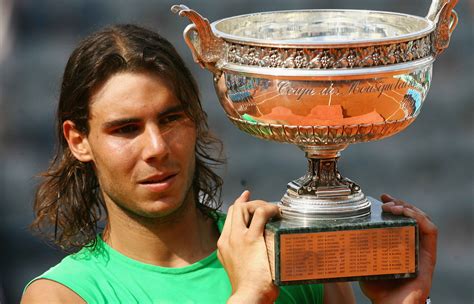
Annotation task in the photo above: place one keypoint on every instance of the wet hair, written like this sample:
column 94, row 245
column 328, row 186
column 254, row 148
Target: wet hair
column 68, row 203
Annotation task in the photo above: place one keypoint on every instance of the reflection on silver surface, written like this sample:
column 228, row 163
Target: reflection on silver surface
column 321, row 27
column 321, row 79
column 322, row 111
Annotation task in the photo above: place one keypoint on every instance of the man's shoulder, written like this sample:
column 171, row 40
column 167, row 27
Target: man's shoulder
column 47, row 291
column 66, row 279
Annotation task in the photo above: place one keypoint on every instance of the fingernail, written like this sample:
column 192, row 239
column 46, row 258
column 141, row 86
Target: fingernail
column 245, row 196
column 408, row 212
column 397, row 210
column 389, row 204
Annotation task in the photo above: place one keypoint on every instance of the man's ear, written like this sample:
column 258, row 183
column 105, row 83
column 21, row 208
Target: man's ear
column 77, row 141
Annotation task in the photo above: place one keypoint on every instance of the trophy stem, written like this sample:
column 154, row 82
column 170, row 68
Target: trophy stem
column 323, row 193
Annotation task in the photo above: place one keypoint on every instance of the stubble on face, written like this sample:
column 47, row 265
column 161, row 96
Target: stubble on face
column 146, row 132
column 123, row 210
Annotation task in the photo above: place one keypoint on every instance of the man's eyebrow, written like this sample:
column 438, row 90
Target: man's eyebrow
column 124, row 121
column 119, row 122
column 173, row 109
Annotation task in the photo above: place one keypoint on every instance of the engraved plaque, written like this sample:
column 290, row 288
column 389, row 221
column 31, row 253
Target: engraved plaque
column 378, row 246
column 351, row 253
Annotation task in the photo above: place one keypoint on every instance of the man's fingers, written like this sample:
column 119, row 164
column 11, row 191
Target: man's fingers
column 428, row 232
column 254, row 205
column 247, row 218
column 252, row 215
column 244, row 197
column 390, row 207
column 261, row 216
column 240, row 216
column 226, row 230
column 390, row 201
column 426, row 225
column 387, row 198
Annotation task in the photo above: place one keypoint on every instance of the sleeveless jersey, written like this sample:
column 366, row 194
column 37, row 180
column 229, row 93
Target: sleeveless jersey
column 104, row 275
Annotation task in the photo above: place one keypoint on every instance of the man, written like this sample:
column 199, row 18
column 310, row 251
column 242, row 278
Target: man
column 134, row 143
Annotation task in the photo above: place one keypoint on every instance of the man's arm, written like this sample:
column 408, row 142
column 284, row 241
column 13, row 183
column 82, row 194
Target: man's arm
column 242, row 251
column 47, row 291
column 407, row 291
column 336, row 293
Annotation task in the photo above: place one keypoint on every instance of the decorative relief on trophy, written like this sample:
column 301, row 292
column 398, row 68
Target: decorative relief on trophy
column 324, row 79
column 328, row 58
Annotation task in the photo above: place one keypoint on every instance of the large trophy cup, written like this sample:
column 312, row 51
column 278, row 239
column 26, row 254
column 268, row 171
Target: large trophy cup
column 324, row 79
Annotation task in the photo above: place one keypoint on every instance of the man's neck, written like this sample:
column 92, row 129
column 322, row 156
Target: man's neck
column 178, row 240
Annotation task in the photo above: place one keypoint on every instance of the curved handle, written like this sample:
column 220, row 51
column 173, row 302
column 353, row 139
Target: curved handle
column 206, row 48
column 442, row 13
column 453, row 22
column 191, row 37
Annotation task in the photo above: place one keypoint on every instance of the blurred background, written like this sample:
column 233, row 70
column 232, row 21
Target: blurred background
column 430, row 164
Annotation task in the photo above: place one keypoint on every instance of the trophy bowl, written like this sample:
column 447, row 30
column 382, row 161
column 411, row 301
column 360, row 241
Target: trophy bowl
column 321, row 79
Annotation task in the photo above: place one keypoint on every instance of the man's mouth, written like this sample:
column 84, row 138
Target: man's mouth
column 156, row 180
column 159, row 182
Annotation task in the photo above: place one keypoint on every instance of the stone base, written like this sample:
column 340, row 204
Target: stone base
column 378, row 246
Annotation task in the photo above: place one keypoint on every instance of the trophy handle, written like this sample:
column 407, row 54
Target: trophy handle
column 204, row 45
column 445, row 17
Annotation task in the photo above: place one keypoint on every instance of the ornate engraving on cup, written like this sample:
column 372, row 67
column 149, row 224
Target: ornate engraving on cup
column 322, row 178
column 333, row 58
column 442, row 12
column 205, row 46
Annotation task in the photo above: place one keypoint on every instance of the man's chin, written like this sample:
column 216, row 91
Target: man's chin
column 153, row 206
column 161, row 210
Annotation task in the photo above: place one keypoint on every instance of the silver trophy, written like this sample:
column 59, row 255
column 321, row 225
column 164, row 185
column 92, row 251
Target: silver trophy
column 324, row 79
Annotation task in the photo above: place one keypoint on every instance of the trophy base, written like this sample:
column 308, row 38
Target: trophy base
column 378, row 246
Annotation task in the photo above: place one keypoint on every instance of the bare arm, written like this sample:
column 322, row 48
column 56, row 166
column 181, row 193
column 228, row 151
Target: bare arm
column 341, row 292
column 47, row 291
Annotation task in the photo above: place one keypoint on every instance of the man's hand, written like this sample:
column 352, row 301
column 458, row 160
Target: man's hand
column 242, row 251
column 407, row 291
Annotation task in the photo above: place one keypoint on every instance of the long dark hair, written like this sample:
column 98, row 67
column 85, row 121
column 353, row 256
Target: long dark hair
column 68, row 198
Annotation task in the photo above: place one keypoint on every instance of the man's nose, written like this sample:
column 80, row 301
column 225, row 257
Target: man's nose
column 154, row 144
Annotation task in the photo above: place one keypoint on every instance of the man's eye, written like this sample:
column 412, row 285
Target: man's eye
column 172, row 118
column 128, row 129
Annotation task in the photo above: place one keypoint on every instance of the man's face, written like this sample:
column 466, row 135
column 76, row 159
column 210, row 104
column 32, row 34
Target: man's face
column 142, row 145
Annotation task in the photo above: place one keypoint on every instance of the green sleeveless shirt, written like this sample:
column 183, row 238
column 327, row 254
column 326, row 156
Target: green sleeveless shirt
column 103, row 275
